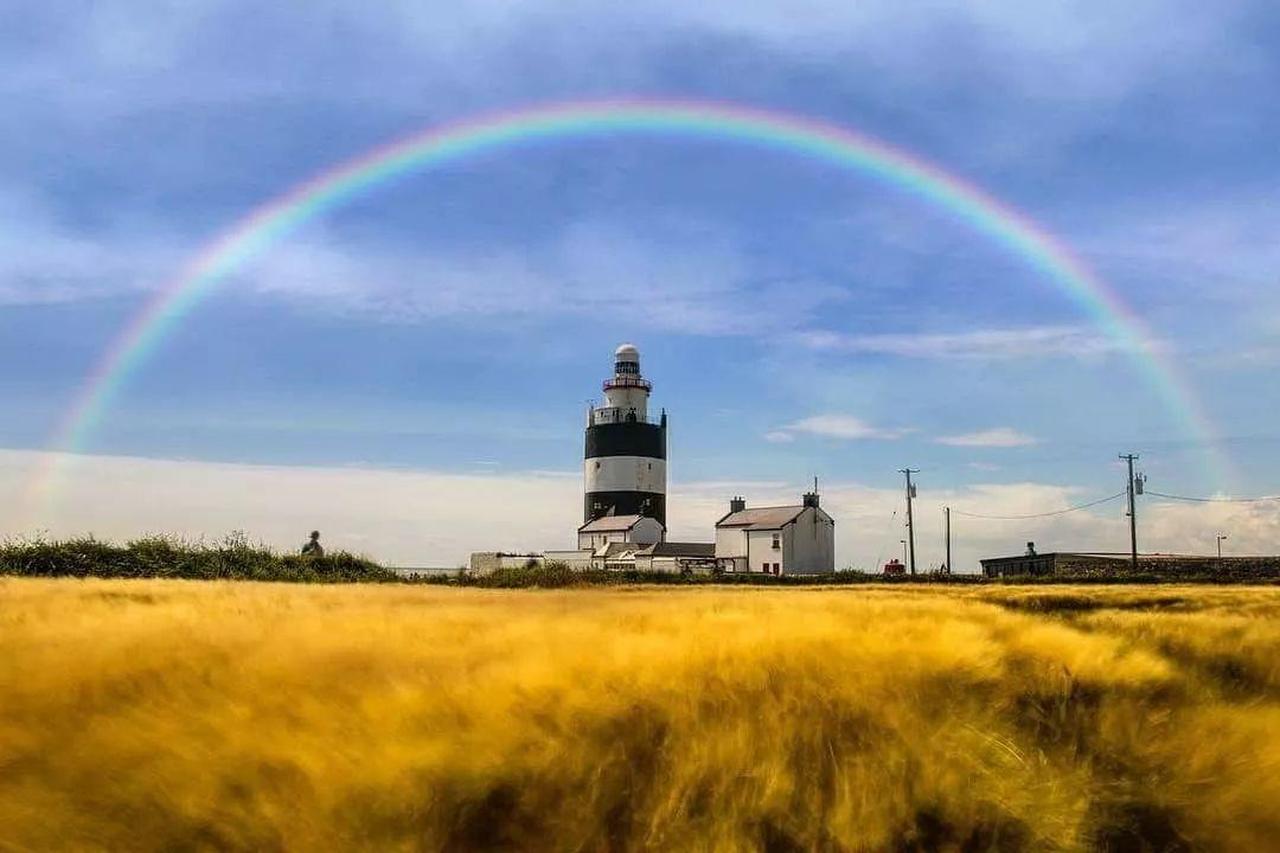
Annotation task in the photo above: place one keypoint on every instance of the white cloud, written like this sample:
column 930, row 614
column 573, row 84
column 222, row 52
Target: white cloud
column 403, row 517
column 994, row 344
column 1063, row 50
column 779, row 436
column 44, row 260
column 837, row 426
column 701, row 284
column 1208, row 256
column 997, row 437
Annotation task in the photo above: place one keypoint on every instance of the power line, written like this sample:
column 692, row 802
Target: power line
column 1215, row 500
column 1042, row 514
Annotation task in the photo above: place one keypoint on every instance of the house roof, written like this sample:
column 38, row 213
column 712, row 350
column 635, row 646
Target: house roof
column 762, row 518
column 610, row 524
column 705, row 550
column 617, row 549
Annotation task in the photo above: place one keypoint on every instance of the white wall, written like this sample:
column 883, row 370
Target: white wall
column 749, row 548
column 810, row 543
column 579, row 560
column 731, row 542
column 760, row 550
column 487, row 562
column 592, row 541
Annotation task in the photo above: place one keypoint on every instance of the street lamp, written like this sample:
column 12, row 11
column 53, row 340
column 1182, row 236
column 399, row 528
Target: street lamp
column 1220, row 537
column 904, row 550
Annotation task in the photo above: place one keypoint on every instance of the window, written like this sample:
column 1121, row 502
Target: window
column 776, row 569
column 764, row 567
column 777, row 541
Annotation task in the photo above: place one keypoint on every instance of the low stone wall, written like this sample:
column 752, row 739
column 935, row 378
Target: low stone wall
column 1172, row 567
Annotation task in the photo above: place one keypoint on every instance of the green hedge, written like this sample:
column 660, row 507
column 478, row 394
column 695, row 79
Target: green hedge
column 165, row 557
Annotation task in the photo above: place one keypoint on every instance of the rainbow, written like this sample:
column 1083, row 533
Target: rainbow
column 829, row 143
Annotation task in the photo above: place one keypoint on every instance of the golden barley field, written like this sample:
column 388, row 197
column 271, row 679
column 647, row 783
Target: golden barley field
column 180, row 715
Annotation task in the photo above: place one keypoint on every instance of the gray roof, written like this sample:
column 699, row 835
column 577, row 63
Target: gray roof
column 680, row 549
column 610, row 524
column 615, row 549
column 762, row 518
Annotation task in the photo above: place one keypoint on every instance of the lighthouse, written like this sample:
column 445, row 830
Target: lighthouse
column 626, row 450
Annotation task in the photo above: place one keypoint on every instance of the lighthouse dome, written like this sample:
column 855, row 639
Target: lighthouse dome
column 626, row 352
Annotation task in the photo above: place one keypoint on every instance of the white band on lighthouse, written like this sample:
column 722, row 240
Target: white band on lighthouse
column 626, row 474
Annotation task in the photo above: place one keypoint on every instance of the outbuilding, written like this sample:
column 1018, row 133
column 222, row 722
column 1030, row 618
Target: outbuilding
column 677, row 557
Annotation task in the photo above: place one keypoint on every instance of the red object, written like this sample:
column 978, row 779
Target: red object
column 895, row 567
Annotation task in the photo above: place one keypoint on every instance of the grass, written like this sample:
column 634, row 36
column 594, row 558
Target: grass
column 204, row 715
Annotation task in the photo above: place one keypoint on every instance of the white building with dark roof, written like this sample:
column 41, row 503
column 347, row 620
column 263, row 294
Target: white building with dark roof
column 777, row 540
column 608, row 529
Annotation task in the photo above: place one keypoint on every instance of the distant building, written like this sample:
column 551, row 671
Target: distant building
column 631, row 529
column 798, row 540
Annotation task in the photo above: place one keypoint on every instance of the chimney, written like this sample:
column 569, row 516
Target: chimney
column 737, row 504
column 811, row 499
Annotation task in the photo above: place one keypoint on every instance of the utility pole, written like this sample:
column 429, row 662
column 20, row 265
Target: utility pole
column 950, row 568
column 1133, row 512
column 911, row 527
column 1221, row 536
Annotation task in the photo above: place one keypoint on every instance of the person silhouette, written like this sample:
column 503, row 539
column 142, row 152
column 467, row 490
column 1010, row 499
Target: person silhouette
column 313, row 547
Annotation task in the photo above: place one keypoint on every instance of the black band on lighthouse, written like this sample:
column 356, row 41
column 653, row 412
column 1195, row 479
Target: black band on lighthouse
column 626, row 439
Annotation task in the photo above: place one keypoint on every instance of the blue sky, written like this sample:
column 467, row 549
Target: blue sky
column 794, row 319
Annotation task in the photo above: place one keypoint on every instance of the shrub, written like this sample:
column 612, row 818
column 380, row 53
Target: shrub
column 167, row 557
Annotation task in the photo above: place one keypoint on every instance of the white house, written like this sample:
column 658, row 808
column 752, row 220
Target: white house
column 796, row 540
column 633, row 529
